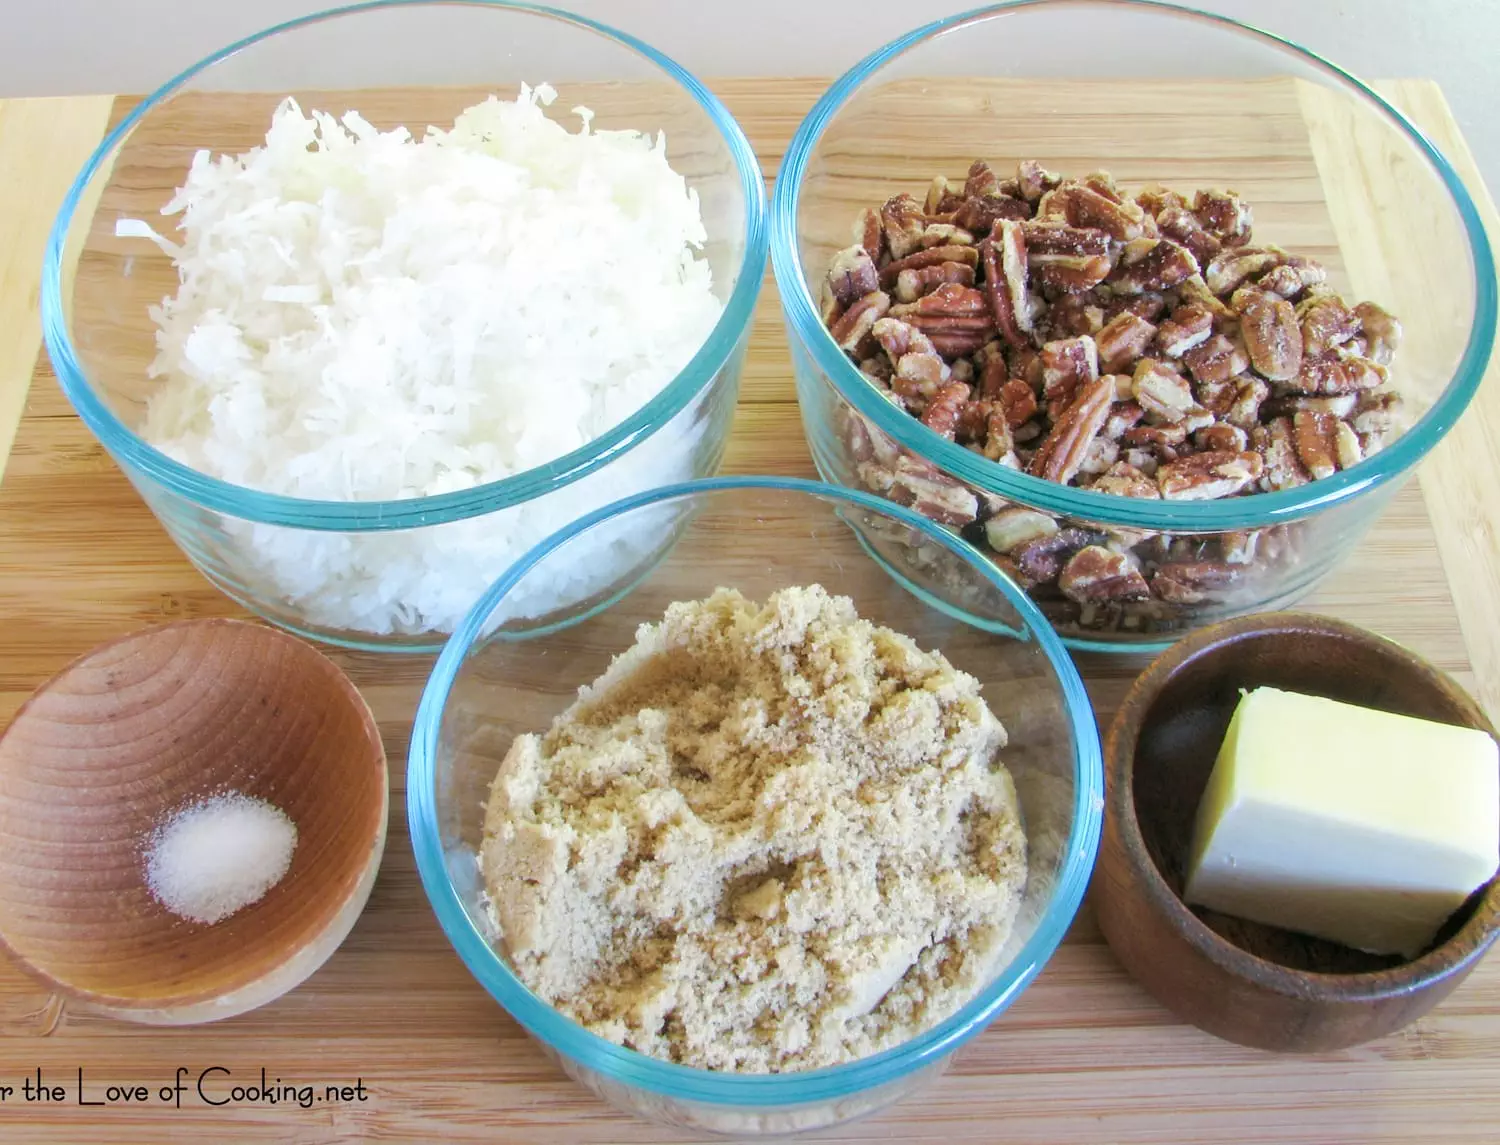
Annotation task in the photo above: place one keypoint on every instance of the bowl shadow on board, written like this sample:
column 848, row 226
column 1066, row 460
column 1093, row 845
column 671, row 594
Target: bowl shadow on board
column 1179, row 742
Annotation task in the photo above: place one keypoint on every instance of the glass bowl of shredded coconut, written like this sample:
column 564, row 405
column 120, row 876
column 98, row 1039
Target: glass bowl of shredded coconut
column 366, row 307
column 754, row 849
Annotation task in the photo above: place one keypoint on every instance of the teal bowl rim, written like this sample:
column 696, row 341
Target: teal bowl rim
column 141, row 459
column 1255, row 511
column 756, row 1090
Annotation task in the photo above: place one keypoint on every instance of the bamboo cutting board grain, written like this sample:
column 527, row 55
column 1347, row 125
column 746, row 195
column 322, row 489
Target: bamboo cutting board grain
column 1084, row 1056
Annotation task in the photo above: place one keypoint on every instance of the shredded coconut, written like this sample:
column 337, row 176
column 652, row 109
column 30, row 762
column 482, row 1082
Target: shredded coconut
column 363, row 315
column 218, row 856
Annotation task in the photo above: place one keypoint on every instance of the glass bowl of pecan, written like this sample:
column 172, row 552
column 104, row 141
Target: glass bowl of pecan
column 1155, row 309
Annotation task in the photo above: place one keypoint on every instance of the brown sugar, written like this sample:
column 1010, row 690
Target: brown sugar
column 768, row 838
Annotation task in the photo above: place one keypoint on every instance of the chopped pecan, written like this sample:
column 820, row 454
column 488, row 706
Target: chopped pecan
column 1326, row 323
column 981, row 180
column 1006, row 264
column 1195, row 582
column 1189, row 327
column 1217, row 359
column 924, row 257
column 1122, row 414
column 980, row 213
column 919, row 370
column 1087, row 206
column 1194, row 291
column 1250, row 393
column 1065, row 257
column 1165, row 394
column 1324, row 443
column 1207, row 476
column 934, row 494
column 1104, row 183
column 1067, row 365
column 1102, row 453
column 1011, row 528
column 1018, row 400
column 1154, row 199
column 1222, row 438
column 1339, row 405
column 852, row 275
column 1122, row 340
column 1228, row 270
column 1225, row 216
column 1382, row 333
column 1152, row 264
column 1161, row 443
column 1034, row 181
column 1293, row 276
column 1238, row 548
column 1273, row 338
column 1064, row 448
column 914, row 284
column 946, row 234
column 941, row 414
column 850, row 328
column 903, row 220
column 1375, row 417
column 1025, row 363
column 870, row 233
column 1217, row 397
column 1284, row 468
column 1041, row 559
column 942, row 199
column 1074, row 314
column 1181, row 225
column 1096, row 573
column 1335, row 373
column 1125, row 480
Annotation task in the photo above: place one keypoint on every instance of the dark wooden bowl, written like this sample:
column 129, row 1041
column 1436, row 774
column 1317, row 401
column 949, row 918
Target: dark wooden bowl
column 1253, row 984
column 143, row 726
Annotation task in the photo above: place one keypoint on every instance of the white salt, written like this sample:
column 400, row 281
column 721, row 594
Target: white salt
column 218, row 856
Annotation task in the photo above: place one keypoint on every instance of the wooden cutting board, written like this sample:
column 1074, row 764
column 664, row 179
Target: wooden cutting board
column 1083, row 1056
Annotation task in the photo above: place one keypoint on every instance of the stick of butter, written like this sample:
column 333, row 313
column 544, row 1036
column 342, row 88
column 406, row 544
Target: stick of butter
column 1345, row 823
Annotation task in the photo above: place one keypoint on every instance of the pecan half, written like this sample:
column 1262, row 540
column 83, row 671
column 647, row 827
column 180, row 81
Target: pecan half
column 1072, row 315
column 980, row 213
column 852, row 275
column 870, row 233
column 1085, row 206
column 1064, row 448
column 1324, row 443
column 1249, row 396
column 1123, row 414
column 1154, row 199
column 1208, row 476
column 1033, row 180
column 1122, row 340
column 1222, row 438
column 1065, row 257
column 1096, row 573
column 1018, row 400
column 938, row 497
column 1293, row 277
column 1273, row 337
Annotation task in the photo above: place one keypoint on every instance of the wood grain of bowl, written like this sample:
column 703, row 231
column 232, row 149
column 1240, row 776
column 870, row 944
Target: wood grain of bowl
column 1248, row 983
column 148, row 724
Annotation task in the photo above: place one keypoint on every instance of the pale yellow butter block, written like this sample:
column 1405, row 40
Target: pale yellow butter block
column 1345, row 823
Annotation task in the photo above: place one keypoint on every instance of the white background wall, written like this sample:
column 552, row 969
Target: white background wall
column 50, row 47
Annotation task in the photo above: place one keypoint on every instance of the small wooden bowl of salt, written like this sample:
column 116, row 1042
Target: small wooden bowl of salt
column 191, row 819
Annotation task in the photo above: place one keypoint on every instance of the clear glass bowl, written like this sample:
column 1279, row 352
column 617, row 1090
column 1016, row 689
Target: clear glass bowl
column 394, row 574
column 499, row 677
column 1152, row 93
